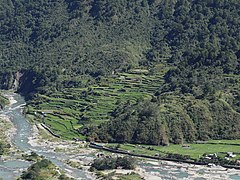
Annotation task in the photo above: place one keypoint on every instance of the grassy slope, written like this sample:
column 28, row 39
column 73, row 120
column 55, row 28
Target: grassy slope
column 72, row 108
column 195, row 151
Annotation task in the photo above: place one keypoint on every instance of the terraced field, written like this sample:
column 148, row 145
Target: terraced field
column 66, row 111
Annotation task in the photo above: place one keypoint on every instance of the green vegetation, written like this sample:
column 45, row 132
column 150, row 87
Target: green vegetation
column 113, row 163
column 4, row 148
column 114, row 175
column 32, row 157
column 172, row 119
column 142, row 71
column 43, row 169
column 4, row 136
column 3, row 101
column 130, row 176
column 120, row 106
column 74, row 164
column 236, row 141
column 195, row 152
column 71, row 110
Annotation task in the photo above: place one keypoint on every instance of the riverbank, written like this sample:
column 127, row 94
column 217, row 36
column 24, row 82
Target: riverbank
column 7, row 128
column 153, row 167
column 26, row 138
column 147, row 169
column 75, row 151
column 42, row 138
column 193, row 171
column 7, row 131
column 58, row 151
column 162, row 170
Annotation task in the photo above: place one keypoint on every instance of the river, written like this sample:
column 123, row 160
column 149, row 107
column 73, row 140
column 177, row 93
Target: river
column 11, row 169
column 153, row 170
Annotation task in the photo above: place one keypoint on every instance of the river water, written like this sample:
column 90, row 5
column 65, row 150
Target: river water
column 158, row 170
column 12, row 169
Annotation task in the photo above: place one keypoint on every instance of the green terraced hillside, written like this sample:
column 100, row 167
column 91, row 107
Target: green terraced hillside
column 64, row 112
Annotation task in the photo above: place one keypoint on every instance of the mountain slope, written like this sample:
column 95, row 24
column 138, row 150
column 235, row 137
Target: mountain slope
column 191, row 46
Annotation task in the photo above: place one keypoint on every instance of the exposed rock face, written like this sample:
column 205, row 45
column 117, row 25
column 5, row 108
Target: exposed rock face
column 10, row 80
column 16, row 83
column 23, row 82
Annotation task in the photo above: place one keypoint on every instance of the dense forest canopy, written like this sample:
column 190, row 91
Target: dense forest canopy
column 68, row 44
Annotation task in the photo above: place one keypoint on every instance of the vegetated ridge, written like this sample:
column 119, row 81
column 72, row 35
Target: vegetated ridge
column 142, row 71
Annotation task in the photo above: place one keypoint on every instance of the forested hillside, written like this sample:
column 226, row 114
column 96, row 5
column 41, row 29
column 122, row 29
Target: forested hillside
column 181, row 56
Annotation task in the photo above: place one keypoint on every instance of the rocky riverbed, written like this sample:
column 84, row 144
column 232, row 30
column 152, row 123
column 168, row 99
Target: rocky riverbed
column 25, row 138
